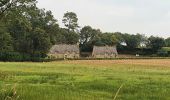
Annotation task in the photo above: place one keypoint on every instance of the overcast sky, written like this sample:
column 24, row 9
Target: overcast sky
column 150, row 17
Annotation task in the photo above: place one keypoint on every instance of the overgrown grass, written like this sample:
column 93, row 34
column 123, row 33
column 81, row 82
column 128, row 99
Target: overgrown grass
column 86, row 80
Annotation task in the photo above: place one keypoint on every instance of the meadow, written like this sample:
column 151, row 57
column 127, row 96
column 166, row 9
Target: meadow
column 86, row 80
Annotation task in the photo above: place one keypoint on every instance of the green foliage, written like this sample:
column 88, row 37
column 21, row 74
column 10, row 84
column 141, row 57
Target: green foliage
column 70, row 21
column 107, row 39
column 88, row 38
column 156, row 43
column 10, row 6
column 72, row 38
column 19, row 57
column 5, row 42
column 133, row 41
column 119, row 37
column 67, row 37
column 4, row 2
column 39, row 42
column 164, row 52
column 167, row 41
column 10, row 56
column 86, row 34
column 166, row 49
column 26, row 29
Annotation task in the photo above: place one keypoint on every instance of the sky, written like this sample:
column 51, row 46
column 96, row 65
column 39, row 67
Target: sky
column 149, row 17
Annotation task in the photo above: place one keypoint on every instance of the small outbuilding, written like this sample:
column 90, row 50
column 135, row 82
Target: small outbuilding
column 104, row 52
column 65, row 51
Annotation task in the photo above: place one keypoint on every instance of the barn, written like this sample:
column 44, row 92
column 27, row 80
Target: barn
column 104, row 52
column 65, row 51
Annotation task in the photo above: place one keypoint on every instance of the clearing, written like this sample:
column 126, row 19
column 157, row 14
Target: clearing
column 86, row 80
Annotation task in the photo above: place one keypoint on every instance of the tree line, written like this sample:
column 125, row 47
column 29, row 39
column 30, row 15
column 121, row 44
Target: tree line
column 27, row 33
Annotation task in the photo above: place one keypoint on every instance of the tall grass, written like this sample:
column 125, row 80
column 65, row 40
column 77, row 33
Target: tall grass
column 9, row 93
column 86, row 80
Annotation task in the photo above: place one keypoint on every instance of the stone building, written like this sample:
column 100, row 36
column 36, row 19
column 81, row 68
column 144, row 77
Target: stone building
column 104, row 52
column 65, row 51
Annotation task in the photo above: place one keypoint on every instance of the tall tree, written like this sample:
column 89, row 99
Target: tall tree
column 86, row 34
column 88, row 38
column 32, row 24
column 70, row 21
column 5, row 42
column 156, row 43
column 132, row 41
column 38, row 42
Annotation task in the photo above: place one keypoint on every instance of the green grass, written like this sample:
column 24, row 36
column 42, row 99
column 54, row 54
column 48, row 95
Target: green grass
column 166, row 48
column 85, row 80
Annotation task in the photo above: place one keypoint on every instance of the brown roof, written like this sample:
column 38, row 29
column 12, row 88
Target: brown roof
column 64, row 48
column 101, row 50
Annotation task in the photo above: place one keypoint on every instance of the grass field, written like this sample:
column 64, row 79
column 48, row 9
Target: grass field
column 86, row 80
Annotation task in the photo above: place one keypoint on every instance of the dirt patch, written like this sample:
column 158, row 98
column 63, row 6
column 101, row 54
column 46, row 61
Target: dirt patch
column 156, row 62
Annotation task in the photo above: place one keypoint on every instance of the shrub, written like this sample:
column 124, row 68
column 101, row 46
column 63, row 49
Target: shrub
column 10, row 56
column 15, row 56
column 164, row 52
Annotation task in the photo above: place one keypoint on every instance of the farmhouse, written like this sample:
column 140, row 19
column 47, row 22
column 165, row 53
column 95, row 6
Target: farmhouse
column 65, row 51
column 104, row 52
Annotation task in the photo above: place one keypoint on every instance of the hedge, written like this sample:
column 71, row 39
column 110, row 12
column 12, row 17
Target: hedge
column 15, row 56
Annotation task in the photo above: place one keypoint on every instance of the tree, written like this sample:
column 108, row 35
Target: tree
column 45, row 20
column 106, row 39
column 156, row 43
column 38, row 42
column 88, row 38
column 70, row 21
column 119, row 37
column 18, row 30
column 167, row 42
column 86, row 34
column 26, row 29
column 132, row 41
column 5, row 42
column 72, row 38
column 10, row 5
column 33, row 30
column 5, row 5
column 66, row 37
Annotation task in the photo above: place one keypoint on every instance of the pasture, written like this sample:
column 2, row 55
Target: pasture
column 86, row 80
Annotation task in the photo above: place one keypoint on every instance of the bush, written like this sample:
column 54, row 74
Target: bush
column 10, row 56
column 15, row 56
column 134, row 51
column 162, row 53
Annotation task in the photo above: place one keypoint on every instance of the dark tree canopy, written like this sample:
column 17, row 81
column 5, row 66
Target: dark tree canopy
column 167, row 42
column 86, row 34
column 156, row 43
column 133, row 41
column 5, row 42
